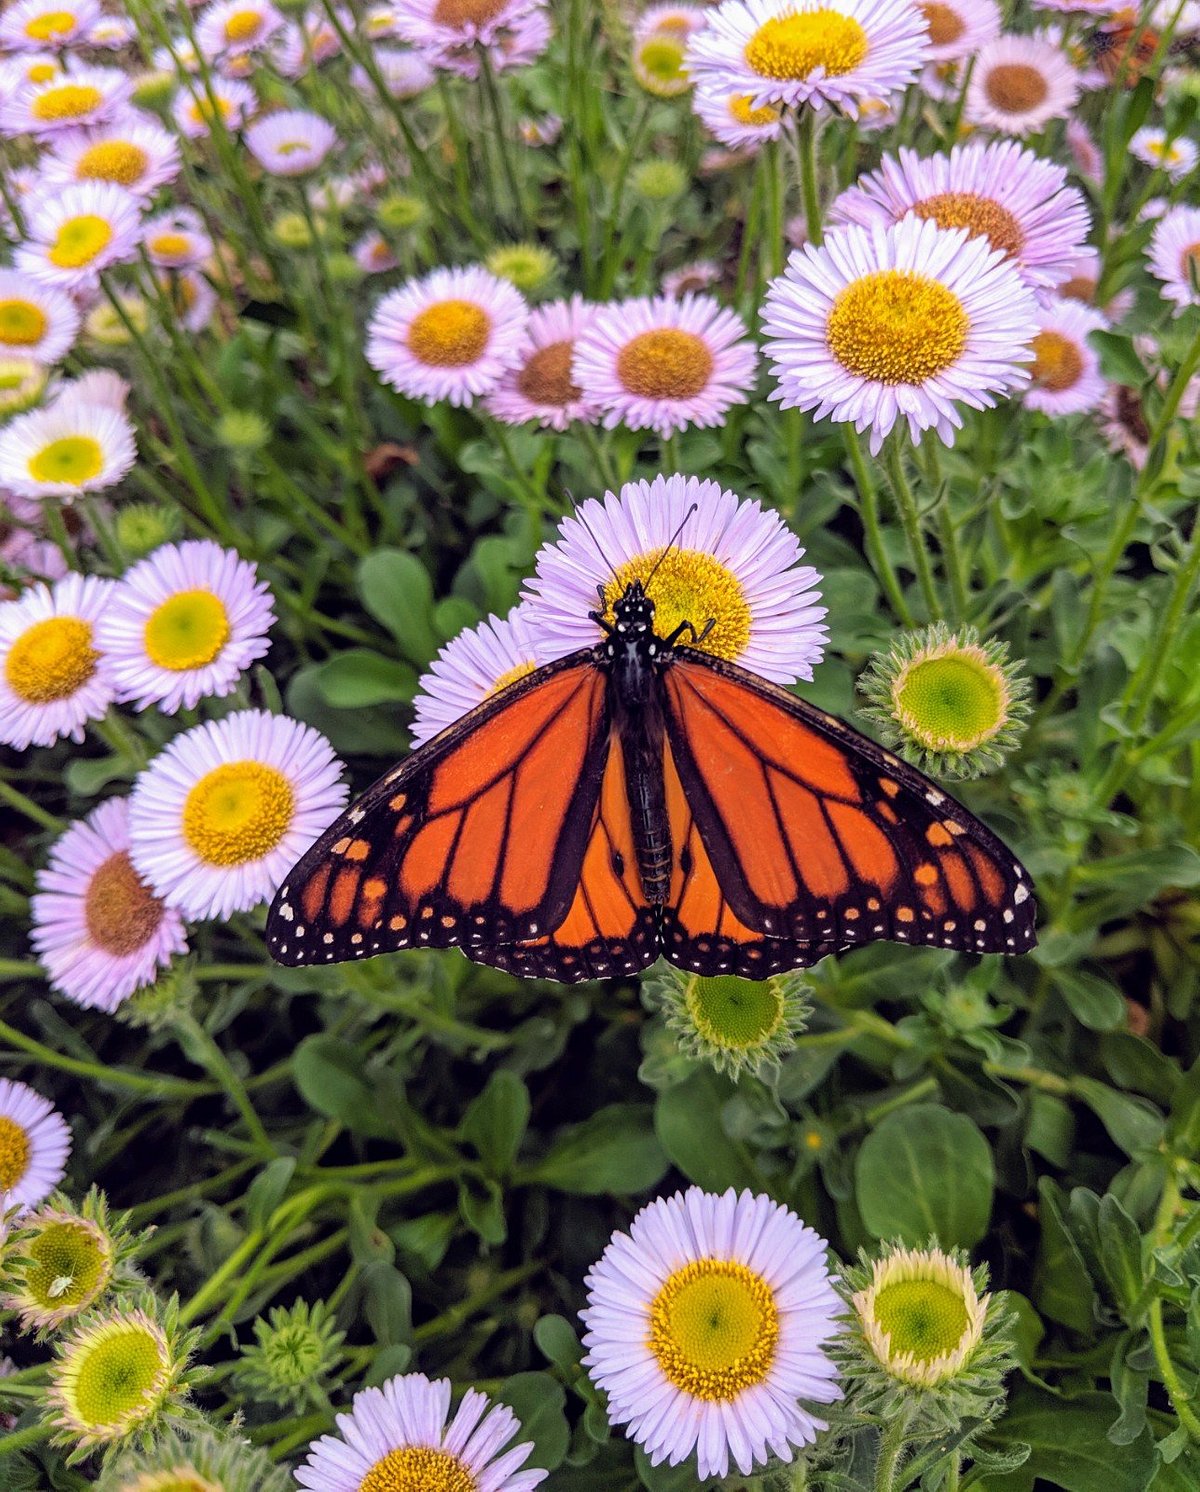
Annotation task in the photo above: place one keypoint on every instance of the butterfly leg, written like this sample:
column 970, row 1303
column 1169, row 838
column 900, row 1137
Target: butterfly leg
column 697, row 637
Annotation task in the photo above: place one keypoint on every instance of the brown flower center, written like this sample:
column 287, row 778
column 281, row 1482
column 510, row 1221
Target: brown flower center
column 945, row 24
column 546, row 377
column 1058, row 362
column 980, row 216
column 1015, row 87
column 665, row 364
column 121, row 911
column 460, row 13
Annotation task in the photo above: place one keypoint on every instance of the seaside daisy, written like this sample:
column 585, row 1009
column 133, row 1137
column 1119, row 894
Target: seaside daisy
column 72, row 236
column 294, row 1352
column 958, row 28
column 191, row 296
column 1019, row 84
column 233, row 102
column 402, row 1435
column 133, row 152
column 405, row 73
column 900, row 323
column 113, row 33
column 1085, row 153
column 194, row 1461
column 1174, row 256
column 22, row 384
column 308, row 43
column 1066, row 369
column 291, row 142
column 34, row 1145
column 97, row 928
column 452, row 34
column 61, row 1260
column 730, row 561
column 736, row 1025
column 816, row 52
column 65, row 448
column 52, row 677
column 221, row 815
column 36, row 320
column 663, row 364
column 450, row 335
column 705, row 1329
column 184, row 624
column 731, row 119
column 471, row 668
column 1175, row 155
column 659, row 56
column 690, row 279
column 1003, row 193
column 236, row 27
column 540, row 387
column 33, row 25
column 176, row 239
column 63, row 101
column 529, row 266
column 373, row 254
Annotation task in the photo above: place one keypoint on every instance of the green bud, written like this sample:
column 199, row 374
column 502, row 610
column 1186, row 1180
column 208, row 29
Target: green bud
column 660, row 181
column 400, row 212
column 242, row 431
column 528, row 266
column 142, row 527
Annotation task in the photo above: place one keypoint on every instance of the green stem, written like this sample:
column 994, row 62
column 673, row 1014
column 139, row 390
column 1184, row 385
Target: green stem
column 876, row 549
column 19, row 1440
column 504, row 142
column 906, row 505
column 202, row 1048
column 891, row 1448
column 807, row 142
column 17, row 799
column 153, row 1085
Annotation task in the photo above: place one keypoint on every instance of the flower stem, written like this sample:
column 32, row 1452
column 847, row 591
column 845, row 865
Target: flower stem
column 906, row 505
column 807, row 140
column 891, row 1449
column 876, row 549
column 17, row 799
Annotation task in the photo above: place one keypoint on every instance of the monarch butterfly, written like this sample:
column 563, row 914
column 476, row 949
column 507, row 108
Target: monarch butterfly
column 644, row 797
column 1120, row 50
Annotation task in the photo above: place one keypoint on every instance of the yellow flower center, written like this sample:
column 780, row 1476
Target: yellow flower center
column 449, row 334
column 980, row 216
column 894, row 326
column 739, row 109
column 202, row 112
column 689, row 585
column 923, row 1318
column 170, row 245
column 546, row 377
column 50, row 24
column 665, row 364
column 70, row 1266
column 662, row 55
column 22, row 324
column 67, row 101
column 1058, row 362
column 510, row 676
column 1015, row 87
column 75, row 459
column 15, row 1151
column 238, row 812
column 178, row 1479
column 243, row 26
column 714, row 1327
column 951, row 700
column 80, row 240
column 117, row 161
column 945, row 23
column 51, row 660
column 116, row 1377
column 460, row 13
column 418, row 1469
column 791, row 47
column 41, row 72
column 120, row 910
column 187, row 631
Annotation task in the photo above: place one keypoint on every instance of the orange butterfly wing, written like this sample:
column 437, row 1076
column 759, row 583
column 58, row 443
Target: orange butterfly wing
column 817, row 837
column 477, row 839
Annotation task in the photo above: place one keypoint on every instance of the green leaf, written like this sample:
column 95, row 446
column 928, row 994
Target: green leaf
column 558, row 1342
column 1094, row 1002
column 614, row 1153
column 538, row 1401
column 387, row 1301
column 329, row 1075
column 1119, row 361
column 268, row 1189
column 687, row 1119
column 397, row 591
column 1051, row 1128
column 1120, row 1253
column 1069, row 1446
column 925, row 1170
column 1062, row 1288
column 359, row 677
column 1131, row 1122
column 495, row 1122
column 481, row 1203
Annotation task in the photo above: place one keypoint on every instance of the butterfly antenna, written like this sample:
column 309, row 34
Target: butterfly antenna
column 577, row 513
column 670, row 545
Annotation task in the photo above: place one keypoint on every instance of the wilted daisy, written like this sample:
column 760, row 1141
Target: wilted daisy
column 291, row 142
column 1066, row 369
column 736, row 1025
column 402, row 1435
column 405, row 73
column 453, row 33
column 36, row 320
column 62, row 1260
column 705, row 1328
column 1175, row 156
column 958, row 28
column 84, row 229
column 236, row 27
column 194, row 111
column 732, row 119
column 203, row 1461
column 1174, row 256
column 450, row 335
column 67, row 448
column 730, row 561
column 1020, row 203
column 33, row 25
column 471, row 668
column 222, row 814
column 664, row 364
column 541, row 386
column 98, row 929
column 133, row 152
column 52, row 677
column 883, row 324
column 63, row 101
column 796, row 52
column 34, row 1145
column 1019, row 84
column 184, row 624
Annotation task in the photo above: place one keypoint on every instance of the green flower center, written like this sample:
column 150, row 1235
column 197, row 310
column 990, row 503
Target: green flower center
column 187, row 631
column 714, row 1327
column 662, row 57
column 924, row 1318
column 75, row 459
column 70, row 1267
column 735, row 1014
column 951, row 702
column 118, row 1376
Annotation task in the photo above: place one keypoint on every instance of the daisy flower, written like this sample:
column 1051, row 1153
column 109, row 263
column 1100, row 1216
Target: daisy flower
column 133, row 152
column 291, row 142
column 22, row 384
column 102, row 386
column 1174, row 255
column 36, row 320
column 32, row 25
column 192, row 110
column 191, row 296
column 373, row 254
column 730, row 118
column 34, row 1145
column 52, row 677
column 796, row 52
column 541, row 387
column 537, row 133
column 236, row 26
column 1085, row 153
column 659, row 56
column 1003, row 193
column 402, row 1435
column 405, row 73
column 1082, row 281
column 881, row 324
column 218, row 819
column 66, row 448
column 1019, row 84
column 1177, row 157
column 688, row 279
column 299, row 47
column 453, row 33
column 98, row 929
column 112, row 33
column 72, row 236
column 958, row 28
column 471, row 668
column 1066, row 369
column 184, row 624
column 664, row 364
column 449, row 335
column 63, row 101
column 705, row 1328
column 176, row 239
column 730, row 561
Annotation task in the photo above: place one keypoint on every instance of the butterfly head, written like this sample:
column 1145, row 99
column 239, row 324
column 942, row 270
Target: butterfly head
column 633, row 611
